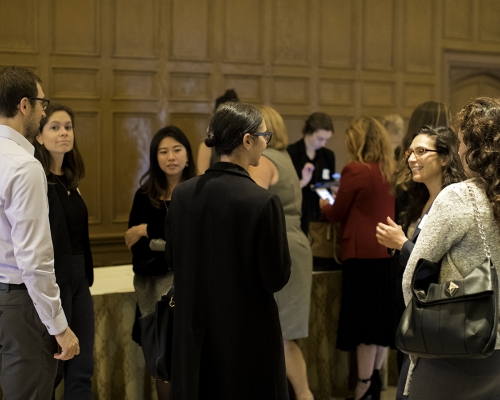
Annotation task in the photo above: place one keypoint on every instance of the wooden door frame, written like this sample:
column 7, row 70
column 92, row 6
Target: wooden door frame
column 454, row 59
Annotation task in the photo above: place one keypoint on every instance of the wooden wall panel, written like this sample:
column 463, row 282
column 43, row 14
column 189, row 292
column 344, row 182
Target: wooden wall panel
column 75, row 83
column 18, row 27
column 132, row 134
column 88, row 136
column 129, row 66
column 135, row 28
column 248, row 87
column 190, row 29
column 378, row 94
column 134, row 85
column 489, row 13
column 75, row 26
column 291, row 90
column 458, row 19
column 378, row 34
column 337, row 36
column 419, row 35
column 193, row 87
column 417, row 93
column 291, row 32
column 336, row 92
column 243, row 44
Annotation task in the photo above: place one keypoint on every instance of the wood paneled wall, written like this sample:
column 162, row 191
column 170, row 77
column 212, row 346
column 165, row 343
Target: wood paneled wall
column 129, row 67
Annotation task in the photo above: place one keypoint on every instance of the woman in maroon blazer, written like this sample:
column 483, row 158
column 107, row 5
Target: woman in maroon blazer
column 363, row 200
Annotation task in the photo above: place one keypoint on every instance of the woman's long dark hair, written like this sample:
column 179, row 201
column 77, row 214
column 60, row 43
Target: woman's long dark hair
column 479, row 124
column 154, row 182
column 72, row 166
column 447, row 148
column 430, row 113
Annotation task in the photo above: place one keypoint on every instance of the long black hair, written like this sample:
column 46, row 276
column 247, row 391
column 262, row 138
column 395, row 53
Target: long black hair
column 447, row 147
column 154, row 182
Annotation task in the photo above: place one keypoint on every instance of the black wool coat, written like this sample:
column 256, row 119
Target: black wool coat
column 227, row 245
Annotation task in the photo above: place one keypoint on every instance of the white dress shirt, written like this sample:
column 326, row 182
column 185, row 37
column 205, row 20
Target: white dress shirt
column 26, row 253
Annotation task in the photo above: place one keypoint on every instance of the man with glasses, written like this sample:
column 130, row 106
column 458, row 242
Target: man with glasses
column 30, row 309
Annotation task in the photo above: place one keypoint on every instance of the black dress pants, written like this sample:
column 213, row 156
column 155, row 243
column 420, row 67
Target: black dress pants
column 77, row 305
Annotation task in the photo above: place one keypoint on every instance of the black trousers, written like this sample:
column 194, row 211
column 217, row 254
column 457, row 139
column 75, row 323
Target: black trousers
column 77, row 305
column 27, row 363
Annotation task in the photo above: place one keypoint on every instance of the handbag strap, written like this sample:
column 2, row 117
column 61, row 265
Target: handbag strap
column 479, row 222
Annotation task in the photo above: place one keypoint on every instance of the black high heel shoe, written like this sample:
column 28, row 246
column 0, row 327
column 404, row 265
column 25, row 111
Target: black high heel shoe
column 368, row 393
column 376, row 385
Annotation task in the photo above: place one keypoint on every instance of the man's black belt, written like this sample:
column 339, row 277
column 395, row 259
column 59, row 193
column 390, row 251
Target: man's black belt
column 9, row 286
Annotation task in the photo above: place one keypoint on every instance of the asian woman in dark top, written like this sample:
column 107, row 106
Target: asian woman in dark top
column 313, row 163
column 227, row 245
column 55, row 148
column 170, row 163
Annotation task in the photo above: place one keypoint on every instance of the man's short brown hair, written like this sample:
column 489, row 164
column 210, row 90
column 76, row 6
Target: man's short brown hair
column 15, row 84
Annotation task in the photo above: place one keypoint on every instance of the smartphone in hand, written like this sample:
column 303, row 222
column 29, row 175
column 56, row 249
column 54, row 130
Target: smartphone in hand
column 325, row 195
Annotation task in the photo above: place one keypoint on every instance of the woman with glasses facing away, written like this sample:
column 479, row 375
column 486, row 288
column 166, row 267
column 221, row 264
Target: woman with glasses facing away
column 227, row 245
column 362, row 201
column 433, row 163
column 276, row 173
column 56, row 149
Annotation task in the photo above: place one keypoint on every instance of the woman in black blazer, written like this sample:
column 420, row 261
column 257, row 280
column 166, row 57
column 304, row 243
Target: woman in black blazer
column 226, row 243
column 55, row 148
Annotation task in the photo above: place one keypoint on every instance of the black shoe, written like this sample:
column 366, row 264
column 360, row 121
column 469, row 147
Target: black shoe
column 368, row 393
column 376, row 385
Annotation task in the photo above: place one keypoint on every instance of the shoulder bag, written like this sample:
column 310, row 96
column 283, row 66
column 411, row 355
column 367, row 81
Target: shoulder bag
column 157, row 337
column 454, row 319
column 324, row 238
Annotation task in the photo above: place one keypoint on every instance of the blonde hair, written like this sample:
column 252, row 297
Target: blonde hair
column 276, row 125
column 368, row 141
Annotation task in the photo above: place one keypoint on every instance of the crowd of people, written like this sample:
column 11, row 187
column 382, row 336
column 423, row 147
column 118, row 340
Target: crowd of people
column 233, row 231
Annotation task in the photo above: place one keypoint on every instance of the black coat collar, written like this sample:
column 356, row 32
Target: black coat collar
column 230, row 168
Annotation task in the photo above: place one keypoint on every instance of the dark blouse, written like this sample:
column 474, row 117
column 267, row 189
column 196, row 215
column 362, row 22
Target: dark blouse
column 69, row 229
column 324, row 160
column 144, row 260
column 74, row 211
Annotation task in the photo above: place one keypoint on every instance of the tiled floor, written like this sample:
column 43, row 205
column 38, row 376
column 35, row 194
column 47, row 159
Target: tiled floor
column 389, row 394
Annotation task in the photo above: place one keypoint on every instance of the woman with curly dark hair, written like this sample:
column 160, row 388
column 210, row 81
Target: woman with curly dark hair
column 451, row 234
column 433, row 161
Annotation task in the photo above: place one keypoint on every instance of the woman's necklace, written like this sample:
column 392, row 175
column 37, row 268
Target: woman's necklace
column 63, row 185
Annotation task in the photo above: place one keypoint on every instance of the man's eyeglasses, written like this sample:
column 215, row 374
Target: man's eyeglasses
column 419, row 152
column 45, row 102
column 267, row 136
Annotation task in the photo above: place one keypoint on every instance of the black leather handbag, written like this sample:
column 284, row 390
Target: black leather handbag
column 454, row 319
column 157, row 337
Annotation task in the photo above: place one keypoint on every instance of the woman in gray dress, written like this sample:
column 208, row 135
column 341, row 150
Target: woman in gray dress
column 276, row 173
column 450, row 233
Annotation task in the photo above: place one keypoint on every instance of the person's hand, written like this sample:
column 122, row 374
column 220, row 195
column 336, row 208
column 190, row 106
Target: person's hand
column 134, row 234
column 307, row 171
column 390, row 235
column 69, row 345
column 323, row 202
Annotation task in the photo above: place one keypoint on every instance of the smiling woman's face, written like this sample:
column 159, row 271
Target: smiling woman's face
column 57, row 135
column 428, row 167
column 172, row 157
